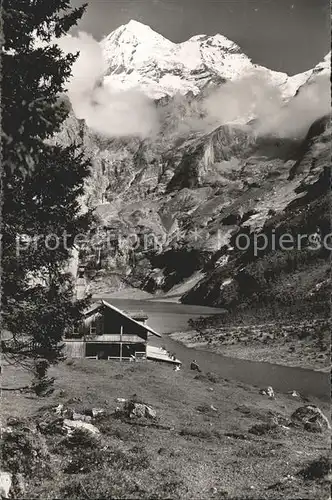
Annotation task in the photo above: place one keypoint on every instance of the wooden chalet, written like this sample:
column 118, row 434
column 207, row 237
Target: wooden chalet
column 109, row 333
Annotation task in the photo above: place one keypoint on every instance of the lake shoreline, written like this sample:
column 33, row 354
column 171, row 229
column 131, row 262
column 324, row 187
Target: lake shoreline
column 169, row 318
column 257, row 353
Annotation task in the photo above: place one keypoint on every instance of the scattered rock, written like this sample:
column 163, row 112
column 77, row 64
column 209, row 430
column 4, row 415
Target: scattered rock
column 121, row 400
column 207, row 409
column 139, row 410
column 15, row 422
column 277, row 419
column 59, row 409
column 97, row 412
column 71, row 425
column 83, row 418
column 74, row 400
column 6, row 480
column 236, row 435
column 294, row 394
column 50, row 426
column 68, row 413
column 311, row 418
column 284, row 481
column 268, row 392
column 287, row 479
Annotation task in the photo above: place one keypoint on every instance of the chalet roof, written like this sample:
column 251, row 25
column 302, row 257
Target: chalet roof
column 139, row 315
column 96, row 305
column 115, row 337
column 159, row 354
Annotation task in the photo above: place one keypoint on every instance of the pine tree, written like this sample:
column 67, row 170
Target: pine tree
column 41, row 181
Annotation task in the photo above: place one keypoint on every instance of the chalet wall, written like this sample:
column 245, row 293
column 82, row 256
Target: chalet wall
column 113, row 322
column 102, row 350
column 112, row 350
column 130, row 349
column 74, row 349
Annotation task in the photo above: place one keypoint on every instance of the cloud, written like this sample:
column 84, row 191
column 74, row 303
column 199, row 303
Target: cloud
column 243, row 99
column 294, row 119
column 255, row 97
column 108, row 112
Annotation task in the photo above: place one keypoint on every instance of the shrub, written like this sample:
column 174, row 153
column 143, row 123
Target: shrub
column 265, row 428
column 79, row 439
column 101, row 484
column 24, row 451
column 318, row 469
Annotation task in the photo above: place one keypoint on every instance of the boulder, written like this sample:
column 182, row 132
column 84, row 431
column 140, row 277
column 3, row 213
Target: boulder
column 6, row 480
column 294, row 394
column 311, row 418
column 71, row 425
column 59, row 409
column 268, row 392
column 121, row 400
column 97, row 412
column 139, row 410
column 50, row 426
column 92, row 413
column 79, row 416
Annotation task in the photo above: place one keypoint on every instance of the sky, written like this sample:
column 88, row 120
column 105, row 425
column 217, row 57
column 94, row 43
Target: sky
column 284, row 35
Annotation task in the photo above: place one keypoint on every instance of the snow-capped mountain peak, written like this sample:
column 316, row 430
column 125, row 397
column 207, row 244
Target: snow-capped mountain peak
column 135, row 32
column 217, row 40
column 137, row 57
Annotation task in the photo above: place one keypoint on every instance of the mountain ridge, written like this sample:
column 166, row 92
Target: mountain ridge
column 194, row 184
column 138, row 57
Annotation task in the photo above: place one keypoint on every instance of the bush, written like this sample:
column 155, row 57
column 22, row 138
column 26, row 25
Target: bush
column 318, row 469
column 79, row 439
column 212, row 377
column 265, row 428
column 101, row 484
column 24, row 451
column 84, row 461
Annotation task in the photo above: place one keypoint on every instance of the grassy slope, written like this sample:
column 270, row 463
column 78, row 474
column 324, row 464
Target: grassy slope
column 192, row 457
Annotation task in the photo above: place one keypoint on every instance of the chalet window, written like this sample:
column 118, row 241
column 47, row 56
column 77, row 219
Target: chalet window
column 75, row 331
column 97, row 326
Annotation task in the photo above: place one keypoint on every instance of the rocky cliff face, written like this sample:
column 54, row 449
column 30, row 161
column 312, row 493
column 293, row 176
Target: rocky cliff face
column 295, row 278
column 169, row 207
